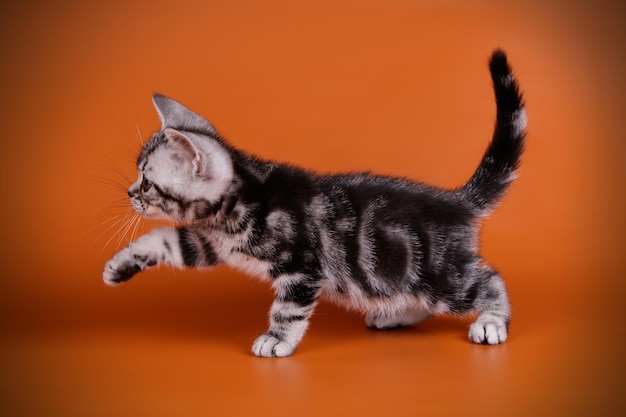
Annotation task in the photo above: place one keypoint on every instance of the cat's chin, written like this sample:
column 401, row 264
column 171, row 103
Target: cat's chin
column 151, row 213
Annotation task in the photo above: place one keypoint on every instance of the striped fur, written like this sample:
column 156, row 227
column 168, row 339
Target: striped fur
column 396, row 250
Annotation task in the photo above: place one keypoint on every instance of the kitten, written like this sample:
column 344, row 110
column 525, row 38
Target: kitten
column 396, row 250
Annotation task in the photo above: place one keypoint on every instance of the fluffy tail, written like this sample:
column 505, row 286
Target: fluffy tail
column 499, row 164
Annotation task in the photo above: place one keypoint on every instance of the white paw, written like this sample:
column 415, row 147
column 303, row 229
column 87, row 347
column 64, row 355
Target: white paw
column 488, row 331
column 269, row 346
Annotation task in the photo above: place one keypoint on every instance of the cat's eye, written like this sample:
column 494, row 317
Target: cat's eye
column 146, row 184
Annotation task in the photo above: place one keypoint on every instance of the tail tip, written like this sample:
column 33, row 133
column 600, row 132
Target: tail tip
column 498, row 64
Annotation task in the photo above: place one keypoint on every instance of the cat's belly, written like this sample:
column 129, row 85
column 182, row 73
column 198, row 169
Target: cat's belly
column 354, row 298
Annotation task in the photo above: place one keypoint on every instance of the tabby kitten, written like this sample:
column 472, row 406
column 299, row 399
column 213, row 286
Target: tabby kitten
column 396, row 250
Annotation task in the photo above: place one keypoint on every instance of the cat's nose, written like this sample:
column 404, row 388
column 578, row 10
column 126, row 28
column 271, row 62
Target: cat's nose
column 130, row 194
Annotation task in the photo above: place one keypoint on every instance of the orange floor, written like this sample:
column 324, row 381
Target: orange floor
column 396, row 87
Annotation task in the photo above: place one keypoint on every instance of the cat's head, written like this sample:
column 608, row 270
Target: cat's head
column 183, row 170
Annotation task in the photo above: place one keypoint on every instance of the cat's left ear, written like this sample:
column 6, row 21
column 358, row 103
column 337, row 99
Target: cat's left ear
column 176, row 116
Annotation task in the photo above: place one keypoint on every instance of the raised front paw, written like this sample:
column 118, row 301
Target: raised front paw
column 269, row 346
column 123, row 266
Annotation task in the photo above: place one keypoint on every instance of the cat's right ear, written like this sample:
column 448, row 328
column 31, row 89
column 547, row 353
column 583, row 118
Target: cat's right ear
column 185, row 147
column 176, row 116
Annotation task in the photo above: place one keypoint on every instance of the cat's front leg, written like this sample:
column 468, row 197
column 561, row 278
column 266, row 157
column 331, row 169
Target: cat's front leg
column 289, row 316
column 183, row 246
column 150, row 249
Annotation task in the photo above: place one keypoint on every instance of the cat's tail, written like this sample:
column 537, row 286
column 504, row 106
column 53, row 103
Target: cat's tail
column 497, row 169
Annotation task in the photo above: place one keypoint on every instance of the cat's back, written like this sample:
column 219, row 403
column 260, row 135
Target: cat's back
column 396, row 200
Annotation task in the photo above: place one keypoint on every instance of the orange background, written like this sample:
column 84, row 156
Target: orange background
column 398, row 87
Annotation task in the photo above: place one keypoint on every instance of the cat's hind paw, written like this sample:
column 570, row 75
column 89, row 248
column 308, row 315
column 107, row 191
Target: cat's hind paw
column 488, row 331
column 269, row 346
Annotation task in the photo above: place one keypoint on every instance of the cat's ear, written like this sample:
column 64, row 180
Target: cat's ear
column 208, row 157
column 175, row 115
column 185, row 147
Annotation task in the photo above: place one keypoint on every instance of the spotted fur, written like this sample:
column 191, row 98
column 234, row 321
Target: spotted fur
column 396, row 250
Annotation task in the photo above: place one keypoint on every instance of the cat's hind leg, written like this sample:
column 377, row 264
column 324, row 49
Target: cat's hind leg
column 382, row 321
column 492, row 304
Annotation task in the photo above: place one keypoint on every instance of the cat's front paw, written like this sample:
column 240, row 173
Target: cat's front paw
column 123, row 266
column 269, row 346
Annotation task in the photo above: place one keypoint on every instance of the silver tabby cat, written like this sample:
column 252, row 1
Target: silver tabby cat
column 396, row 250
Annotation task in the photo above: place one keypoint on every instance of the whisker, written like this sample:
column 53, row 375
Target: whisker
column 123, row 222
column 116, row 223
column 120, row 173
column 104, row 222
column 111, row 207
column 127, row 228
column 139, row 133
column 134, row 232
column 109, row 182
column 118, row 203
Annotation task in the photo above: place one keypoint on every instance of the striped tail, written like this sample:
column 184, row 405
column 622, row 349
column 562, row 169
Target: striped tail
column 497, row 169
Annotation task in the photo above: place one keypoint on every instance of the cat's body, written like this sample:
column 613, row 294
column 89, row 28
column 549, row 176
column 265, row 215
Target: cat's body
column 396, row 250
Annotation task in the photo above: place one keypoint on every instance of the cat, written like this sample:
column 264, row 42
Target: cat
column 398, row 251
